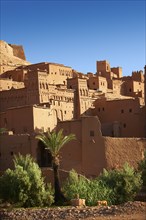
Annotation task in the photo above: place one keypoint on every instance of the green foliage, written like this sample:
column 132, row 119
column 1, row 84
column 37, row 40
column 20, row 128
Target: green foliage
column 125, row 183
column 91, row 190
column 75, row 185
column 2, row 130
column 114, row 186
column 54, row 141
column 24, row 185
column 142, row 168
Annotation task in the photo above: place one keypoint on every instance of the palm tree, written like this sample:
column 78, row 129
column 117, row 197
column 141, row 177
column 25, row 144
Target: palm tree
column 54, row 142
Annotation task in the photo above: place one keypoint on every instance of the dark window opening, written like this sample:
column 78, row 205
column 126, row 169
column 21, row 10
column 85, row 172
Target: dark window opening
column 122, row 111
column 130, row 110
column 11, row 153
column 130, row 90
column 103, row 109
column 44, row 157
column 91, row 133
column 124, row 125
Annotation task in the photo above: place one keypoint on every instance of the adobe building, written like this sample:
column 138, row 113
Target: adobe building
column 105, row 111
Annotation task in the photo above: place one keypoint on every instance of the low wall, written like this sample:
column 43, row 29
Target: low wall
column 121, row 150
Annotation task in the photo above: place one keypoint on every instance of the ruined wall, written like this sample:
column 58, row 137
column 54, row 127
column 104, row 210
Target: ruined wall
column 9, row 61
column 18, row 51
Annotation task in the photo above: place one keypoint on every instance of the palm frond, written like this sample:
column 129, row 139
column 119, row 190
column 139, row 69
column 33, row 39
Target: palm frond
column 55, row 141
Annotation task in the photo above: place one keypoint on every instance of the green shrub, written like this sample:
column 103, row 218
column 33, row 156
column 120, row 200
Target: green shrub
column 91, row 190
column 24, row 185
column 75, row 185
column 142, row 168
column 114, row 186
column 125, row 183
column 97, row 190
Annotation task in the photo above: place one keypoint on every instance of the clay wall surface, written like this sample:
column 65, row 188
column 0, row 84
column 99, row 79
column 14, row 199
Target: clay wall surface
column 87, row 147
column 13, row 98
column 14, row 144
column 5, row 48
column 71, row 153
column 133, row 88
column 121, row 150
column 8, row 61
column 88, row 154
column 117, row 86
column 59, row 74
column 19, row 120
column 16, row 75
column 44, row 119
column 7, row 84
column 97, row 83
column 56, row 73
column 103, row 66
column 117, row 71
column 126, row 112
column 97, row 152
column 18, row 97
column 138, row 76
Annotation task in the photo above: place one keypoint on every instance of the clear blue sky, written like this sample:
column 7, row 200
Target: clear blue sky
column 78, row 33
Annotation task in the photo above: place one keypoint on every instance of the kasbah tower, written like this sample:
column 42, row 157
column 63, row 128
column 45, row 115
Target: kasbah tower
column 105, row 110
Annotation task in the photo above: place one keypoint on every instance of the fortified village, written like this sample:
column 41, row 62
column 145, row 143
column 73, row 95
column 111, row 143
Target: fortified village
column 105, row 110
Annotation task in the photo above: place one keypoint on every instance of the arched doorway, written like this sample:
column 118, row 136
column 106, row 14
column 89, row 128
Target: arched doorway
column 44, row 157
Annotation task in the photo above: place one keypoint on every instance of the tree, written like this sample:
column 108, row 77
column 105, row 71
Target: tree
column 24, row 185
column 53, row 142
column 142, row 168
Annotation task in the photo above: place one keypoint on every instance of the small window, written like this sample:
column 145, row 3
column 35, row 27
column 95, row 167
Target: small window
column 130, row 110
column 102, row 109
column 130, row 90
column 11, row 153
column 64, row 112
column 93, row 83
column 91, row 133
column 122, row 111
column 124, row 125
column 0, row 154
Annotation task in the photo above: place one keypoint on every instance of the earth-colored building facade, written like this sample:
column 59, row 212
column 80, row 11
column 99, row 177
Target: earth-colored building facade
column 106, row 112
